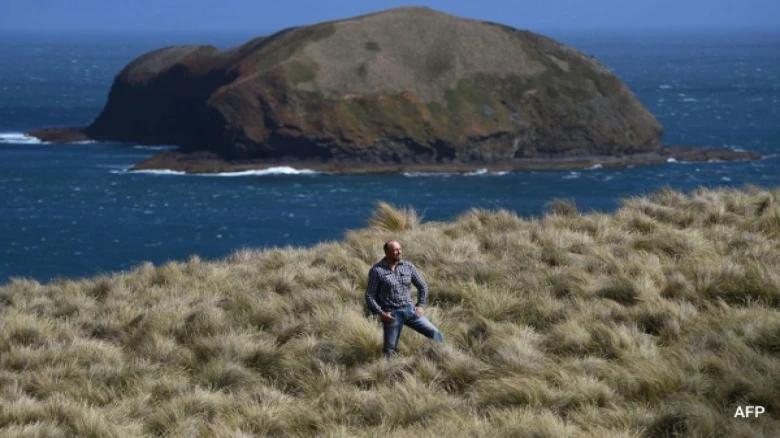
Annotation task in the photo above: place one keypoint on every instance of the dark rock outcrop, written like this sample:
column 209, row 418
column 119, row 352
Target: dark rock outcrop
column 408, row 86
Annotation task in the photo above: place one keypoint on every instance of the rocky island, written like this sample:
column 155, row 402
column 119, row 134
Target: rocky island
column 399, row 90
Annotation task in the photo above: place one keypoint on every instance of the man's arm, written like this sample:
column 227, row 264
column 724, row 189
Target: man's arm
column 371, row 292
column 422, row 288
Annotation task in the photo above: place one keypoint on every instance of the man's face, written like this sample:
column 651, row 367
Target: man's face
column 393, row 252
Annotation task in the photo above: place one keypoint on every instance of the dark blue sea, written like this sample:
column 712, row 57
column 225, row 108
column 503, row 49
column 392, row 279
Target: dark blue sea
column 73, row 210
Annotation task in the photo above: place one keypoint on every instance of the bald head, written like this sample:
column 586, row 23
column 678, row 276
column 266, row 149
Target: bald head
column 392, row 251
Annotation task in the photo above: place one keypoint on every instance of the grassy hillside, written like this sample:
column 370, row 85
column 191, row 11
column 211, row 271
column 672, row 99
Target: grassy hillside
column 657, row 320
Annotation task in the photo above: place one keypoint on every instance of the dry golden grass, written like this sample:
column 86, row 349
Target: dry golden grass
column 658, row 320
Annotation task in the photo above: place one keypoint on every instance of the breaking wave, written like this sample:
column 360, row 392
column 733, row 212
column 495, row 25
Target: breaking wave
column 18, row 138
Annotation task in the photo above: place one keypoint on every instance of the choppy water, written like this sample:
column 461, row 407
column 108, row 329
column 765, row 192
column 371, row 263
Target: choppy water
column 74, row 210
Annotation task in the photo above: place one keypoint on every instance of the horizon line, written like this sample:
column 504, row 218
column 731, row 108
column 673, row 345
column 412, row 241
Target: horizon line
column 272, row 31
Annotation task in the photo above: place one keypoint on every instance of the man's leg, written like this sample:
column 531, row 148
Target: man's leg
column 422, row 325
column 392, row 331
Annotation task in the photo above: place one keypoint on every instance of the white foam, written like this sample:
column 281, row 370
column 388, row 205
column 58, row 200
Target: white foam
column 155, row 171
column 416, row 174
column 572, row 175
column 18, row 138
column 116, row 169
column 281, row 170
column 664, row 86
column 690, row 99
column 594, row 167
column 486, row 172
column 671, row 160
column 479, row 172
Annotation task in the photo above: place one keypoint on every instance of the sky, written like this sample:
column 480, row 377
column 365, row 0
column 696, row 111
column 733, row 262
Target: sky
column 262, row 16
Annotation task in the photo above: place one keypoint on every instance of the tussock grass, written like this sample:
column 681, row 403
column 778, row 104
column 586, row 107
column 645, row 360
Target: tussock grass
column 388, row 218
column 658, row 320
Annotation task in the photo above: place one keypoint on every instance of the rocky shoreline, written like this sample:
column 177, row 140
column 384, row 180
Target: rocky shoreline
column 62, row 135
column 209, row 163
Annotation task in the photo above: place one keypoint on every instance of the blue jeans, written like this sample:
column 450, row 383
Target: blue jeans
column 406, row 316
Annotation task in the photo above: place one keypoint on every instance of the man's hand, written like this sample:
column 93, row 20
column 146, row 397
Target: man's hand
column 419, row 311
column 386, row 317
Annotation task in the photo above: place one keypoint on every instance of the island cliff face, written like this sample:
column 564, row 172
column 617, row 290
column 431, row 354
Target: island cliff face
column 400, row 87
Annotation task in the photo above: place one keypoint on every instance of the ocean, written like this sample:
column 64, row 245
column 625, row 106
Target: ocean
column 74, row 210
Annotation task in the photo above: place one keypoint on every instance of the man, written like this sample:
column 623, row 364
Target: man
column 388, row 296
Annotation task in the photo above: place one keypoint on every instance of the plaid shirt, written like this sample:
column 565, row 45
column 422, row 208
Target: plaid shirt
column 389, row 290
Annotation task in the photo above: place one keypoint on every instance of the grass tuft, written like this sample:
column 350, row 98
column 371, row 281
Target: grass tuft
column 389, row 218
